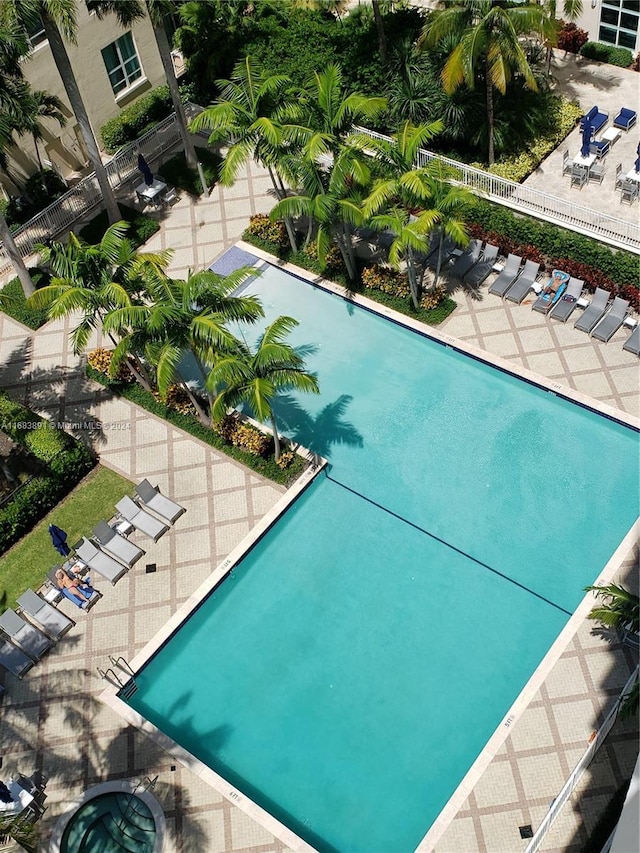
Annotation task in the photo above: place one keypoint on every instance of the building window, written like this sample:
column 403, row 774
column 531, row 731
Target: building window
column 122, row 63
column 619, row 22
column 36, row 34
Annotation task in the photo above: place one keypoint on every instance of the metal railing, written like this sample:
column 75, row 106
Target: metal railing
column 576, row 217
column 581, row 766
column 85, row 195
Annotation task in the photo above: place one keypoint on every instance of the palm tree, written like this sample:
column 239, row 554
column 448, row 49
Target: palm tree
column 93, row 279
column 179, row 317
column 59, row 20
column 44, row 105
column 158, row 11
column 620, row 610
column 14, row 100
column 487, row 47
column 256, row 377
column 250, row 113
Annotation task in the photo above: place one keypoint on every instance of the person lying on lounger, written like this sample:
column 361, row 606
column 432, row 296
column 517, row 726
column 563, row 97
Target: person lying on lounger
column 79, row 588
column 555, row 282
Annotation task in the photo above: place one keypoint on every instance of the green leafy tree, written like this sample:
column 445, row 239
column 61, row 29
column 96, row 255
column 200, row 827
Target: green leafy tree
column 94, row 279
column 59, row 21
column 256, row 377
column 620, row 610
column 179, row 317
column 43, row 105
column 487, row 47
column 158, row 12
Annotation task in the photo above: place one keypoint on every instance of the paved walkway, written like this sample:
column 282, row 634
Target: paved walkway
column 52, row 719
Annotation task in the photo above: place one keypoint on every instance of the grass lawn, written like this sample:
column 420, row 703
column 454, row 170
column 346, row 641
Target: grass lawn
column 26, row 564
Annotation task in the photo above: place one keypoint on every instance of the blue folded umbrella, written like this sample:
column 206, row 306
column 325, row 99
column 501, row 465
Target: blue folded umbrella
column 59, row 539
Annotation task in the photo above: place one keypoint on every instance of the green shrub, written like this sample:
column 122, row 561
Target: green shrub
column 176, row 172
column 13, row 303
column 621, row 56
column 65, row 462
column 562, row 119
column 138, row 118
column 268, row 231
column 141, row 226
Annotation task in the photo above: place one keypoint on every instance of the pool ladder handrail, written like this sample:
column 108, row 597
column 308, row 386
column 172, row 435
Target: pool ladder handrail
column 104, row 673
column 121, row 663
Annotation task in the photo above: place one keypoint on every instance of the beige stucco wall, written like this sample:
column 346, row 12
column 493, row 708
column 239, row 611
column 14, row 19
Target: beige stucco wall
column 64, row 147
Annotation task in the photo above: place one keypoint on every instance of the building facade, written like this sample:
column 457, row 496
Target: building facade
column 113, row 67
column 614, row 22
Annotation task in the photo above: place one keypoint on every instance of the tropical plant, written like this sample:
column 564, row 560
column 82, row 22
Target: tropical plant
column 59, row 21
column 179, row 317
column 158, row 12
column 487, row 47
column 93, row 279
column 571, row 9
column 43, row 105
column 257, row 377
column 620, row 609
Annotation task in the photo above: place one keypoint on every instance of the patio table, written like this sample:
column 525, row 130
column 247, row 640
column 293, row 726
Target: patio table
column 150, row 192
column 612, row 135
column 588, row 161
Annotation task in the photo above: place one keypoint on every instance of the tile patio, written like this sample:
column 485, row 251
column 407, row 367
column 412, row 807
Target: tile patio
column 53, row 721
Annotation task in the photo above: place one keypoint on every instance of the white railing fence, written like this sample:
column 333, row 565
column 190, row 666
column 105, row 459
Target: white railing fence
column 581, row 766
column 85, row 195
column 609, row 229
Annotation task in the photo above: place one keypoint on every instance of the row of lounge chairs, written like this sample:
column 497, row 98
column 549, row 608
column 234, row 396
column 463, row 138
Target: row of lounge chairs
column 28, row 633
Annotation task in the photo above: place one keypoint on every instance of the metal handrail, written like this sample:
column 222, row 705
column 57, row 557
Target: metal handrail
column 576, row 217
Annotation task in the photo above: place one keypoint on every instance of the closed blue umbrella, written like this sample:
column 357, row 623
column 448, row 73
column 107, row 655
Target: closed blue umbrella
column 147, row 174
column 638, row 160
column 587, row 132
column 59, row 539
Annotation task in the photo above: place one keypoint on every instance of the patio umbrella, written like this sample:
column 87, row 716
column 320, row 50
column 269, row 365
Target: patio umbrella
column 587, row 131
column 59, row 539
column 638, row 160
column 147, row 174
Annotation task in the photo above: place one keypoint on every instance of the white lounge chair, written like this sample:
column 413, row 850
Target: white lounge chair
column 141, row 520
column 14, row 660
column 98, row 561
column 33, row 642
column 116, row 545
column 49, row 619
column 163, row 506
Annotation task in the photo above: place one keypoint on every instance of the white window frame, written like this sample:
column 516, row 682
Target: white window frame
column 129, row 80
column 619, row 8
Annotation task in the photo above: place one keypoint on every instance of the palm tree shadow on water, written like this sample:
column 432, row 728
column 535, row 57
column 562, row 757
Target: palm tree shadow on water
column 318, row 433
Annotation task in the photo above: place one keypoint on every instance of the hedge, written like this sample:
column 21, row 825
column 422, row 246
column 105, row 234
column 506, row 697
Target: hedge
column 176, row 172
column 13, row 303
column 140, row 117
column 620, row 56
column 190, row 424
column 141, row 226
column 65, row 461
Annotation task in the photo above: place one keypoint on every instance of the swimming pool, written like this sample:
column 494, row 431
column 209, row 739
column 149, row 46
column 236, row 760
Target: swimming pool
column 353, row 666
column 114, row 822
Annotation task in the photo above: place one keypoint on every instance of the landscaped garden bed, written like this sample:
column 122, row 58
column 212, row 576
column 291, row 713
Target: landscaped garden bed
column 14, row 304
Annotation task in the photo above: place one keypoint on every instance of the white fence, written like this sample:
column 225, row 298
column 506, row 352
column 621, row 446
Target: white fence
column 581, row 766
column 85, row 195
column 609, row 229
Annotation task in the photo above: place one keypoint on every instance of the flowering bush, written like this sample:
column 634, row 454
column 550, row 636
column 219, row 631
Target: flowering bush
column 571, row 37
column 261, row 227
column 176, row 398
column 395, row 284
column 286, row 458
column 333, row 259
column 100, row 360
column 244, row 436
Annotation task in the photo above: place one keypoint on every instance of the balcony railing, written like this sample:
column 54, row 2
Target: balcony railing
column 523, row 199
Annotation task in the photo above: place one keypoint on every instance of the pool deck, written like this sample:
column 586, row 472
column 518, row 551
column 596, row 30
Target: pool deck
column 53, row 720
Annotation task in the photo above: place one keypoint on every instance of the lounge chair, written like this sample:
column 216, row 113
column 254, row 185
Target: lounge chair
column 448, row 247
column 625, row 119
column 546, row 301
column 54, row 623
column 163, row 506
column 82, row 603
column 141, row 520
column 466, row 260
column 523, row 283
column 611, row 321
column 481, row 270
column 116, row 545
column 110, row 569
column 632, row 344
column 14, row 660
column 23, row 634
column 565, row 307
column 594, row 311
column 508, row 275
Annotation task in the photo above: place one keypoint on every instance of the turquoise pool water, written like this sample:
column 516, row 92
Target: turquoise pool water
column 111, row 823
column 351, row 669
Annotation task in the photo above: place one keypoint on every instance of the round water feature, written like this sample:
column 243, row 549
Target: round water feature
column 115, row 817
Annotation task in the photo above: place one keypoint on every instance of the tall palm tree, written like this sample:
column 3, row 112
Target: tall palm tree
column 179, row 317
column 59, row 21
column 158, row 11
column 14, row 102
column 256, row 377
column 620, row 610
column 43, row 105
column 252, row 112
column 93, row 279
column 487, row 47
